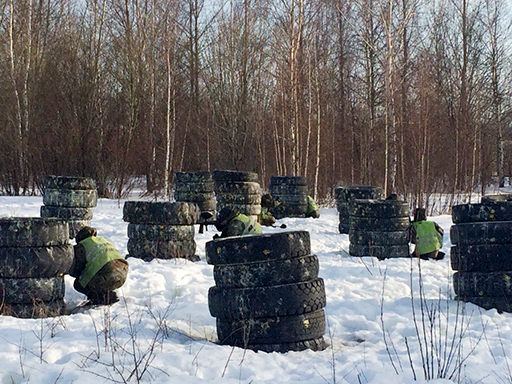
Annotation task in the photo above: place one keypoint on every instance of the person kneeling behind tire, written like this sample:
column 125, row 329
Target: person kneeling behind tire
column 98, row 267
column 231, row 222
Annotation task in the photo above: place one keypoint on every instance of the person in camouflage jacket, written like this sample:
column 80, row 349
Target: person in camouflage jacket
column 98, row 267
column 231, row 222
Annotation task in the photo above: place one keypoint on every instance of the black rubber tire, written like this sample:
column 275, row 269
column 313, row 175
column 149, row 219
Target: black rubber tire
column 145, row 212
column 343, row 228
column 69, row 182
column 79, row 198
column 362, row 192
column 238, row 188
column 192, row 177
column 30, row 290
column 379, row 238
column 271, row 330
column 501, row 304
column 32, row 232
column 379, row 251
column 150, row 249
column 483, row 284
column 160, row 232
column 67, row 213
column 23, row 262
column 491, row 232
column 266, row 273
column 289, row 200
column 372, row 224
column 275, row 300
column 227, row 175
column 207, row 205
column 245, row 199
column 315, row 345
column 36, row 310
column 246, row 209
column 507, row 197
column 288, row 180
column 208, row 187
column 193, row 197
column 481, row 258
column 469, row 213
column 285, row 189
column 289, row 211
column 343, row 209
column 248, row 249
column 379, row 208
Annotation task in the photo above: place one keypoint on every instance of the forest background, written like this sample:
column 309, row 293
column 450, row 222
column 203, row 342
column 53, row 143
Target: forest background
column 411, row 95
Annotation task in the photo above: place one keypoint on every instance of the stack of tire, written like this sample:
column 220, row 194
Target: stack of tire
column 267, row 294
column 379, row 228
column 161, row 230
column 71, row 199
column 238, row 190
column 481, row 253
column 197, row 188
column 292, row 192
column 344, row 195
column 34, row 256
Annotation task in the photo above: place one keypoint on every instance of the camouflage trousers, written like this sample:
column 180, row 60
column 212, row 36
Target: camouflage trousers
column 100, row 289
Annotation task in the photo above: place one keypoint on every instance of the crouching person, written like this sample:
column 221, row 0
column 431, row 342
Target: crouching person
column 427, row 235
column 312, row 210
column 267, row 203
column 231, row 222
column 98, row 267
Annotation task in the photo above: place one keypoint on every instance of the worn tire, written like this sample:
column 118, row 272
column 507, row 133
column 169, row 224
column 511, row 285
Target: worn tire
column 248, row 249
column 207, row 187
column 343, row 209
column 144, row 212
column 496, row 198
column 493, row 211
column 72, row 198
column 266, row 273
column 245, row 199
column 36, row 310
column 152, row 249
column 491, row 232
column 379, row 208
column 30, row 290
column 238, row 188
column 363, row 192
column 293, row 200
column 379, row 238
column 275, row 300
column 289, row 211
column 271, row 330
column 69, row 182
column 372, row 224
column 343, row 228
column 32, row 232
column 226, row 175
column 35, row 262
column 483, row 284
column 288, row 180
column 286, row 189
column 160, row 232
column 315, row 345
column 193, row 197
column 66, row 213
column 481, row 258
column 246, row 209
column 501, row 304
column 192, row 177
column 379, row 251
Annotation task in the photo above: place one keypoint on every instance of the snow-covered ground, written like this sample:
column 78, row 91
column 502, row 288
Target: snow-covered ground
column 161, row 328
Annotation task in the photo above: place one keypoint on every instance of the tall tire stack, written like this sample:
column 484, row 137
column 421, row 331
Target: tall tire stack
column 267, row 294
column 238, row 190
column 34, row 256
column 379, row 228
column 197, row 188
column 481, row 253
column 292, row 192
column 344, row 195
column 71, row 199
column 161, row 230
